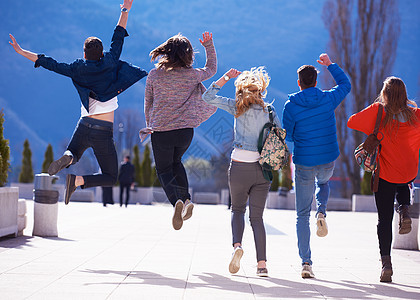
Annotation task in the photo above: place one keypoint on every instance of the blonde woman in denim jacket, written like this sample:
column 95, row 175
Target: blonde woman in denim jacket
column 246, row 179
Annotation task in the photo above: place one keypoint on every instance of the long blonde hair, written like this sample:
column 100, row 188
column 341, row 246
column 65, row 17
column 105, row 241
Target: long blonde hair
column 394, row 98
column 251, row 88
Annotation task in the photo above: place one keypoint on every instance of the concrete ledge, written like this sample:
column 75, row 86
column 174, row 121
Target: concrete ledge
column 9, row 210
column 339, row 204
column 26, row 190
column 22, row 219
column 363, row 203
column 224, row 196
column 206, row 198
column 83, row 196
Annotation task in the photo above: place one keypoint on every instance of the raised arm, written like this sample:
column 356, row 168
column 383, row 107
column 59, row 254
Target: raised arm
column 25, row 53
column 211, row 61
column 42, row 60
column 210, row 95
column 125, row 8
column 343, row 87
column 232, row 73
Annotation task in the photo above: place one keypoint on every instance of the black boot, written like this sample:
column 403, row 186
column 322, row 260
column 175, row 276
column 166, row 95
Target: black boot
column 404, row 224
column 386, row 272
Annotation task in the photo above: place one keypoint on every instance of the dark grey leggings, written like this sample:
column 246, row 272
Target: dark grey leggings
column 247, row 180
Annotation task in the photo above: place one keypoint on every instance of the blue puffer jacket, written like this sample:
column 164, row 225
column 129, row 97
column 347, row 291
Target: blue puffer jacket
column 309, row 120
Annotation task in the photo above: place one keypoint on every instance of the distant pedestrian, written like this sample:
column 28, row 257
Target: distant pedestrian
column 398, row 160
column 126, row 180
column 173, row 108
column 107, row 197
column 246, row 178
column 98, row 79
column 309, row 120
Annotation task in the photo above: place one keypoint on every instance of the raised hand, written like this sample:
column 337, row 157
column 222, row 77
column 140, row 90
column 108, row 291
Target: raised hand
column 324, row 60
column 15, row 44
column 233, row 73
column 127, row 4
column 206, row 37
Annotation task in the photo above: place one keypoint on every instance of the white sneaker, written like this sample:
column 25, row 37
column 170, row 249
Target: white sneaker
column 187, row 210
column 235, row 262
column 177, row 217
column 307, row 271
column 322, row 228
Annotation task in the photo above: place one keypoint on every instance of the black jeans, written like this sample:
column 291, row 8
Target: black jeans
column 384, row 198
column 126, row 187
column 168, row 148
column 98, row 135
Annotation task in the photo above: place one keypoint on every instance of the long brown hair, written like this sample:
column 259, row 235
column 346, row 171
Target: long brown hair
column 176, row 52
column 394, row 98
column 251, row 88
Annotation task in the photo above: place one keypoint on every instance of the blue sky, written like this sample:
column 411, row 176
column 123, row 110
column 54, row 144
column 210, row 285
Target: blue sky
column 281, row 35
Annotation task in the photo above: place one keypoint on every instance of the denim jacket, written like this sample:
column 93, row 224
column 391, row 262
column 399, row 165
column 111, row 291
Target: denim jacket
column 100, row 79
column 247, row 127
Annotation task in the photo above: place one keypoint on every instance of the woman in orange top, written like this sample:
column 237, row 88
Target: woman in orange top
column 398, row 160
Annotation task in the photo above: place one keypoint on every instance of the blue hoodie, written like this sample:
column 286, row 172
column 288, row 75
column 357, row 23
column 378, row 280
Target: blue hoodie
column 309, row 120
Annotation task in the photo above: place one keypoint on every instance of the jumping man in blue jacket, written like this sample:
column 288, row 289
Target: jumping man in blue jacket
column 309, row 120
column 98, row 78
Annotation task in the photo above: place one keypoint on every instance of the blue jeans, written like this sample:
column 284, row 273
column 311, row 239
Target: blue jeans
column 310, row 180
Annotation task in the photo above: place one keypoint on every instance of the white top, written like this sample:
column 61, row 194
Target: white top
column 245, row 155
column 97, row 107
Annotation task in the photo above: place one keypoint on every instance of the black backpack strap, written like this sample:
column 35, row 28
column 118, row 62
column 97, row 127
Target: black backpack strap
column 261, row 137
column 270, row 114
column 268, row 126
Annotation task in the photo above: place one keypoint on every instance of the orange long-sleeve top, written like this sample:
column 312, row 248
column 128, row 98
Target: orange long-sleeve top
column 399, row 157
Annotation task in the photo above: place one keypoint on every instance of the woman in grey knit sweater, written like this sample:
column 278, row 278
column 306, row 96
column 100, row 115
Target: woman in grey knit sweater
column 173, row 108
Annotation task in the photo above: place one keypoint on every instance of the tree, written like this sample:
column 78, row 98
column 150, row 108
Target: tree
column 155, row 179
column 137, row 166
column 363, row 41
column 4, row 153
column 26, row 173
column 365, row 185
column 48, row 158
column 146, row 167
column 286, row 182
column 275, row 183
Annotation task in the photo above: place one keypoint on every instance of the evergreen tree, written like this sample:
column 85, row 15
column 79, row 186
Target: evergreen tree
column 26, row 173
column 275, row 183
column 365, row 185
column 286, row 181
column 155, row 179
column 137, row 166
column 4, row 153
column 48, row 158
column 146, row 167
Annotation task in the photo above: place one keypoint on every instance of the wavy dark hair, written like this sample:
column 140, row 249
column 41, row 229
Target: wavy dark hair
column 176, row 52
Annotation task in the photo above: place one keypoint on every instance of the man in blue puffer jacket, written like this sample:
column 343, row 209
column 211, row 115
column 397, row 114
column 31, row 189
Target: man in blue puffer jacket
column 309, row 120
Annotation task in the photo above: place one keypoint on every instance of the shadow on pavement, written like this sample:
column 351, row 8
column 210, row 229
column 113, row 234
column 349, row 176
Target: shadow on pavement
column 283, row 288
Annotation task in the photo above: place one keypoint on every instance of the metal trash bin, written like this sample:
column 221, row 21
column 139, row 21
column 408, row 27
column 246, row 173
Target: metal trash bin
column 409, row 241
column 45, row 206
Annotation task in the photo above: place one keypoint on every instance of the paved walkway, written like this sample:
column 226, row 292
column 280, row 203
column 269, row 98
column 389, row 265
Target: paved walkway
column 133, row 253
